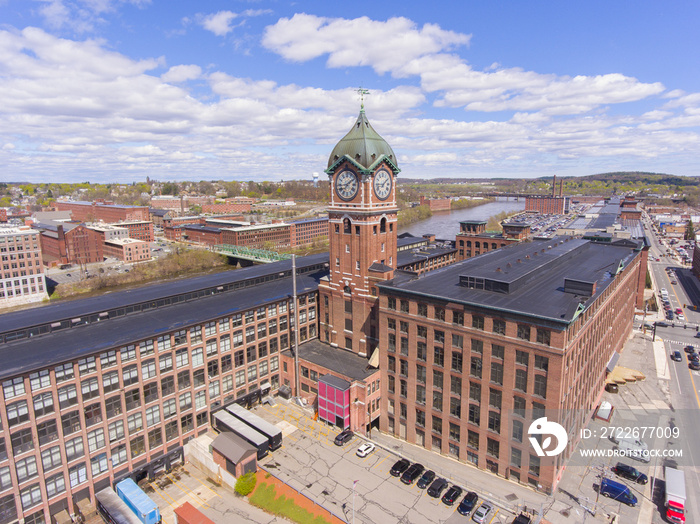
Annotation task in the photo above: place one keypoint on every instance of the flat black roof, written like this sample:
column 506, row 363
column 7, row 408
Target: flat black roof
column 31, row 354
column 342, row 361
column 533, row 273
column 112, row 300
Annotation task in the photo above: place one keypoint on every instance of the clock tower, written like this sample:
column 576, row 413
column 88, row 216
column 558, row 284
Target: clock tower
column 362, row 231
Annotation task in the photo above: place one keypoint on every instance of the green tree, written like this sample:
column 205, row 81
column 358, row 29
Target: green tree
column 689, row 231
column 246, row 484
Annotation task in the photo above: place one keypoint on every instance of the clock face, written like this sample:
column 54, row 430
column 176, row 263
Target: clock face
column 346, row 185
column 382, row 184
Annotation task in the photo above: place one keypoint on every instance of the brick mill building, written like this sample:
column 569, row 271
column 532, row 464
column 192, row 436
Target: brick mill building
column 473, row 239
column 22, row 279
column 102, row 211
column 455, row 357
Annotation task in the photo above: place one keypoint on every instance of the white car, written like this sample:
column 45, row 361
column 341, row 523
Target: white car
column 681, row 318
column 482, row 513
column 365, row 449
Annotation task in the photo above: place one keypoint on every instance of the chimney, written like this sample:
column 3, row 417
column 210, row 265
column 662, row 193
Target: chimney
column 554, row 186
column 561, row 188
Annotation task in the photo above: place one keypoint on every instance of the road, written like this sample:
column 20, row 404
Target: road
column 684, row 383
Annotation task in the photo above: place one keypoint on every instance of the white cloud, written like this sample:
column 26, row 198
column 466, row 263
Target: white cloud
column 182, row 73
column 80, row 15
column 219, row 23
column 358, row 42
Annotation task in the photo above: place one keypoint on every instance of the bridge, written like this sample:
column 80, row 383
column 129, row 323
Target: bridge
column 250, row 253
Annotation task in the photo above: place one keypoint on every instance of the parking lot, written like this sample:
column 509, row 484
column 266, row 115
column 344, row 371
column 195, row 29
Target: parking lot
column 310, row 462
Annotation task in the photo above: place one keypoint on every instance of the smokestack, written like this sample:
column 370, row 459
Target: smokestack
column 554, row 186
column 561, row 188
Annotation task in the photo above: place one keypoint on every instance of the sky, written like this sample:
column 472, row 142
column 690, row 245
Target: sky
column 114, row 91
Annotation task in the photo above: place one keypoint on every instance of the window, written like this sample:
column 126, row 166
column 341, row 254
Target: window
column 498, row 351
column 128, row 353
column 456, row 385
column 187, row 423
column 420, row 373
column 457, row 361
column 474, row 414
column 146, row 347
column 116, row 430
column 70, row 422
column 492, row 447
column 167, row 385
column 153, row 414
column 26, row 468
column 185, row 401
column 437, row 379
column 494, row 423
column 541, row 362
column 404, row 345
column 108, row 359
column 138, row 446
column 477, row 346
column 391, row 383
column 13, row 387
column 171, row 431
column 183, row 379
column 523, row 332
column 454, row 432
column 495, row 398
column 478, row 322
column 93, row 414
column 98, row 464
column 198, row 378
column 43, row 405
column 134, row 422
column 421, row 351
column 51, row 458
column 521, row 379
column 63, row 372
column 252, row 373
column 458, row 318
column 497, row 373
column 455, row 407
column 17, row 413
column 165, row 362
column 420, row 394
column 540, row 388
column 422, row 310
column 499, row 326
column 475, row 367
column 87, row 365
column 155, row 438
column 30, row 496
column 21, row 441
column 40, row 380
column 404, row 306
column 516, row 457
column 437, row 400
column 133, row 399
column 534, row 465
column 96, row 440
column 439, row 356
column 475, row 391
column 90, row 388
column 457, row 341
column 437, row 425
column 110, row 381
column 212, row 368
column 521, row 357
column 74, row 449
column 519, row 406
column 439, row 314
column 130, row 375
column 517, row 434
column 47, row 431
column 543, row 337
column 420, row 418
column 169, row 408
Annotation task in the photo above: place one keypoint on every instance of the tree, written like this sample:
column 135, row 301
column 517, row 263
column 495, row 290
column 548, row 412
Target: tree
column 689, row 231
column 246, row 484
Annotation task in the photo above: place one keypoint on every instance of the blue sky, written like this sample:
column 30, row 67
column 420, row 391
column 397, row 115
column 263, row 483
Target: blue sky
column 118, row 90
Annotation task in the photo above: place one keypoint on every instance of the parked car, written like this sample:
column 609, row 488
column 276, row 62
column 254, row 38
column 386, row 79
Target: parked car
column 523, row 519
column 468, row 502
column 451, row 495
column 437, row 487
column 399, row 467
column 694, row 365
column 365, row 449
column 678, row 311
column 343, row 437
column 412, row 473
column 425, row 479
column 693, row 357
column 681, row 318
column 482, row 512
column 661, row 324
column 676, row 355
column 617, row 491
column 689, row 349
column 630, row 473
column 611, row 387
column 697, row 335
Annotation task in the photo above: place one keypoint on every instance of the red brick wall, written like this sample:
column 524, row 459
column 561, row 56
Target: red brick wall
column 226, row 208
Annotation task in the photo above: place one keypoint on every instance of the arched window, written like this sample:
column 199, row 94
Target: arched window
column 382, row 226
column 477, row 245
column 469, row 243
column 346, row 225
column 494, row 245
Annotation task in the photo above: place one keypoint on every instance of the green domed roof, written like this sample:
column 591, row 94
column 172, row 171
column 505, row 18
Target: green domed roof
column 362, row 145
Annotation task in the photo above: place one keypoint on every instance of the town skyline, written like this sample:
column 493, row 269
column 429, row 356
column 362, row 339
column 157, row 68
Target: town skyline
column 119, row 91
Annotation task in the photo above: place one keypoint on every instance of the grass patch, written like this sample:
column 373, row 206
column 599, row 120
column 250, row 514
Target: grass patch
column 265, row 497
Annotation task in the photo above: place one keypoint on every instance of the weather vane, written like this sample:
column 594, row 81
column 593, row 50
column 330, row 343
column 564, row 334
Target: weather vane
column 362, row 93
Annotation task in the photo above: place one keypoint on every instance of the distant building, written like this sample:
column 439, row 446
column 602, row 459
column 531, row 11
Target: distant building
column 436, row 204
column 549, row 205
column 127, row 250
column 69, row 244
column 138, row 229
column 101, row 210
column 226, row 207
column 22, row 278
column 473, row 239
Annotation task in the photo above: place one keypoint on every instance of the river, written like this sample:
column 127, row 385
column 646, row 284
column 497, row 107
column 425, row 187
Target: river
column 445, row 225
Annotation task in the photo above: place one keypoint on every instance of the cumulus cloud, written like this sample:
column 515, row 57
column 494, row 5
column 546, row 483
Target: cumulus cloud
column 393, row 42
column 182, row 73
column 80, row 15
column 220, row 23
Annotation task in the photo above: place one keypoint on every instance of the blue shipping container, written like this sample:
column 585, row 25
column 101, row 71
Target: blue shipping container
column 140, row 503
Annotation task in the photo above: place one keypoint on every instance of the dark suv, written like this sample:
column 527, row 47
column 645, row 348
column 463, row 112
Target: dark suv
column 399, row 467
column 412, row 473
column 451, row 495
column 343, row 437
column 426, row 479
column 630, row 473
column 468, row 502
column 437, row 487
